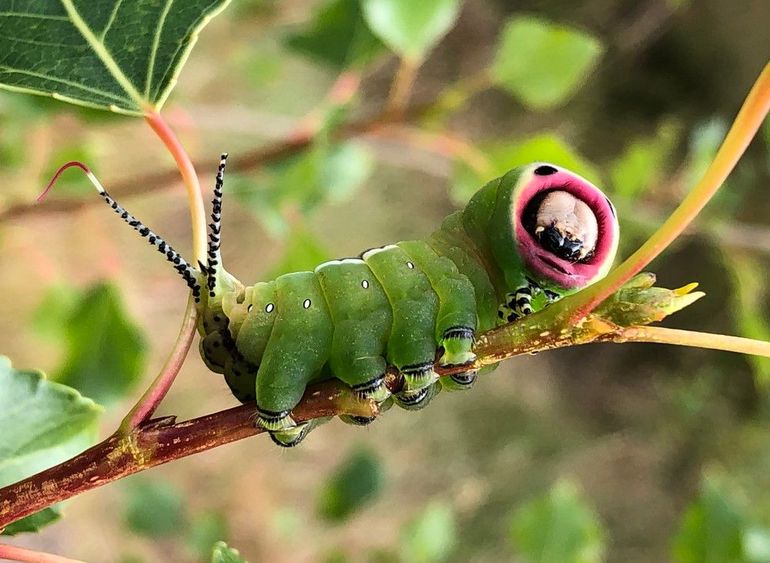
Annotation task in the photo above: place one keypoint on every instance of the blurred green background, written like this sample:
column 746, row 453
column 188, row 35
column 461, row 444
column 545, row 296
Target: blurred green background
column 617, row 453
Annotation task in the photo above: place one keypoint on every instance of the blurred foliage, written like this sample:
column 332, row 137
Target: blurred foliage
column 543, row 64
column 153, row 508
column 222, row 553
column 355, row 483
column 560, row 526
column 410, row 28
column 104, row 350
column 635, row 97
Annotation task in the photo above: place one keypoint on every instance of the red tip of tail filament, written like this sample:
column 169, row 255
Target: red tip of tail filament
column 58, row 173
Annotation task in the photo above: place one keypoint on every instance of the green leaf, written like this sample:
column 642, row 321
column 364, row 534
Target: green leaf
column 711, row 530
column 337, row 36
column 353, row 485
column 545, row 147
column 106, row 54
column 105, row 351
column 154, row 508
column 643, row 163
column 43, row 423
column 221, row 553
column 559, row 526
column 34, row 522
column 431, row 536
column 411, row 28
column 50, row 317
column 543, row 64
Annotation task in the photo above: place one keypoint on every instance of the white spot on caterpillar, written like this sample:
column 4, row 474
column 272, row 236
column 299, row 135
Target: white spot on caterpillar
column 410, row 265
column 249, row 308
column 365, row 284
column 306, row 304
column 269, row 308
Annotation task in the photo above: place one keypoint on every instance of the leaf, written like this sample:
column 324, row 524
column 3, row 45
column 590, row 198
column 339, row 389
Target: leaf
column 105, row 350
column 337, row 36
column 411, row 28
column 154, row 508
column 106, row 54
column 559, row 526
column 204, row 532
column 34, row 522
column 54, row 309
column 221, row 553
column 353, row 485
column 643, row 162
column 711, row 530
column 431, row 536
column 545, row 147
column 541, row 63
column 43, row 423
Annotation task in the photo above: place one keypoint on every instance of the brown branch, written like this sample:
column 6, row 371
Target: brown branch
column 254, row 159
column 162, row 440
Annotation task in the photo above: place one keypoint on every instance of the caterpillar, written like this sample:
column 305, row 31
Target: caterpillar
column 524, row 240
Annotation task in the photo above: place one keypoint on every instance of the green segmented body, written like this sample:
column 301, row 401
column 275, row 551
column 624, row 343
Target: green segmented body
column 393, row 306
column 525, row 239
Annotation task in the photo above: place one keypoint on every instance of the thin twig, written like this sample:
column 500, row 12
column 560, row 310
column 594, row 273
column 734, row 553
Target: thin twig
column 15, row 553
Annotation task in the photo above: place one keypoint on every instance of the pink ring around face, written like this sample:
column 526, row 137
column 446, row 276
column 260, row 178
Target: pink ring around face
column 548, row 266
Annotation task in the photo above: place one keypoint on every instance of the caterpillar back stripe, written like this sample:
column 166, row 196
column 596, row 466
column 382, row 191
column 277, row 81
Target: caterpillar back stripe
column 525, row 239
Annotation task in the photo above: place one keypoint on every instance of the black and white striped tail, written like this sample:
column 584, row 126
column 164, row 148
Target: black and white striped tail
column 215, row 229
column 188, row 273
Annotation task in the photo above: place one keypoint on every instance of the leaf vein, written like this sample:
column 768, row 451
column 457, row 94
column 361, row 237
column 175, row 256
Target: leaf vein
column 156, row 47
column 11, row 70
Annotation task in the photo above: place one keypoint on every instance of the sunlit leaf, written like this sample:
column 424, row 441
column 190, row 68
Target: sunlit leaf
column 105, row 350
column 338, row 36
column 153, row 508
column 222, row 553
column 411, row 28
column 353, row 485
column 711, row 530
column 43, row 423
column 559, row 526
column 502, row 157
column 107, row 54
column 543, row 64
column 431, row 536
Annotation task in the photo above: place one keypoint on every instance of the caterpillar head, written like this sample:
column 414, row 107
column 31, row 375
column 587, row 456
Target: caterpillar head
column 551, row 224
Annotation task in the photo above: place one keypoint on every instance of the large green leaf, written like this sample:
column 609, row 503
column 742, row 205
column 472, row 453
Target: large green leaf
column 107, row 54
column 337, row 36
column 43, row 423
column 411, row 28
column 541, row 63
column 105, row 349
column 560, row 526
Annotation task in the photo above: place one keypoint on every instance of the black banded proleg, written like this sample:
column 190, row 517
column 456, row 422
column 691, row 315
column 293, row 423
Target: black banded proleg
column 412, row 342
column 416, row 400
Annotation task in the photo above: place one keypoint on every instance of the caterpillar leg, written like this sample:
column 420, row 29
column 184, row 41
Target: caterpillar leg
column 362, row 319
column 416, row 400
column 412, row 342
column 298, row 348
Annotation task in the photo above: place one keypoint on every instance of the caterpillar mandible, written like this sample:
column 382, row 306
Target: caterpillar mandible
column 524, row 240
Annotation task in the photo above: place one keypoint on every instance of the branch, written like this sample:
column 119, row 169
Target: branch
column 162, row 440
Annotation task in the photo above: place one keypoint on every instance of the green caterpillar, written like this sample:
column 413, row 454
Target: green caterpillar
column 524, row 240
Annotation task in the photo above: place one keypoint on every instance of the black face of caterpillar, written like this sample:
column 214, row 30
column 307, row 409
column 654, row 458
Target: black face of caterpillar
column 562, row 224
